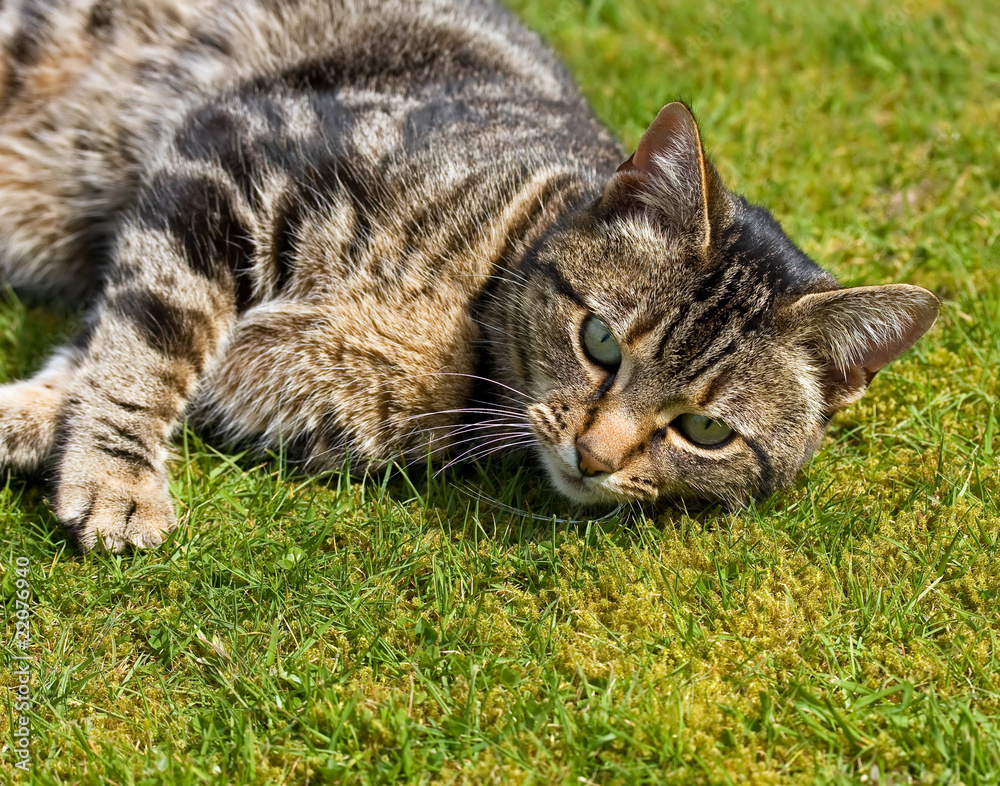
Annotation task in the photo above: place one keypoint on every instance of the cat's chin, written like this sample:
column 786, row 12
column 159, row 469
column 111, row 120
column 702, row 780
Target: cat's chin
column 581, row 489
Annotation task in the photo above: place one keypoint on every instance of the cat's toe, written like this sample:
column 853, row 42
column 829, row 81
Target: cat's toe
column 28, row 415
column 116, row 515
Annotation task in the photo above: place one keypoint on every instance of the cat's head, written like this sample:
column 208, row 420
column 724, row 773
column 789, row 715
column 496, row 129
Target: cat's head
column 673, row 342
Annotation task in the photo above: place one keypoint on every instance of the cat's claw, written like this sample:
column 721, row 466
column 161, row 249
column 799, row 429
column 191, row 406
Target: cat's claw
column 116, row 514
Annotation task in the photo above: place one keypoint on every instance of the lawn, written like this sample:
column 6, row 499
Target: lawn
column 412, row 629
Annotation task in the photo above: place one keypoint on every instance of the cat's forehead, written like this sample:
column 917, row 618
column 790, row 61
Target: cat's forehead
column 635, row 273
column 626, row 268
column 637, row 278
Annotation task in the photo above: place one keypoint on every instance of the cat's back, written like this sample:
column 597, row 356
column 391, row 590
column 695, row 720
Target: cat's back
column 90, row 90
column 147, row 60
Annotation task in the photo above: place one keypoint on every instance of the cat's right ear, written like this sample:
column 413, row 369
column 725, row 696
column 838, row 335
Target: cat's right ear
column 669, row 177
column 858, row 331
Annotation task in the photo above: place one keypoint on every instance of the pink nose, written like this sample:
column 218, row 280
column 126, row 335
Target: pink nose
column 589, row 463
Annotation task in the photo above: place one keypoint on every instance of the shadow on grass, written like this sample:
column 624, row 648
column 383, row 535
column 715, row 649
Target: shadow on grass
column 29, row 332
column 27, row 513
column 507, row 499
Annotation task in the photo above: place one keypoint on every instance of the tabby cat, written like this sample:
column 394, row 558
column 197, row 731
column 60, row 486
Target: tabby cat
column 370, row 230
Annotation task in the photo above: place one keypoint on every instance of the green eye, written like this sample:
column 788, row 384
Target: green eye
column 703, row 431
column 599, row 344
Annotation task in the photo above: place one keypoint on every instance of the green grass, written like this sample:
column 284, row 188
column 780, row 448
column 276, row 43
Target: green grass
column 301, row 631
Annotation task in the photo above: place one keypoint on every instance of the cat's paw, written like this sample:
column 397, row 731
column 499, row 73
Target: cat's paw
column 115, row 511
column 28, row 416
column 29, row 413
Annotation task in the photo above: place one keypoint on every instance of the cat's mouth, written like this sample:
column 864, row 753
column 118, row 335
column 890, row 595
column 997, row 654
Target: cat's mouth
column 580, row 488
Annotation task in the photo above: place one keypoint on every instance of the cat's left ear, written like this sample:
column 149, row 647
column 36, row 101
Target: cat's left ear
column 670, row 176
column 856, row 332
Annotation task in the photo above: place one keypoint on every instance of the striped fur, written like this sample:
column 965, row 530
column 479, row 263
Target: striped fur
column 367, row 230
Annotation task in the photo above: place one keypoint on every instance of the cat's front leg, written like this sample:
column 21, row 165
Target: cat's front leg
column 148, row 350
column 168, row 306
column 111, row 483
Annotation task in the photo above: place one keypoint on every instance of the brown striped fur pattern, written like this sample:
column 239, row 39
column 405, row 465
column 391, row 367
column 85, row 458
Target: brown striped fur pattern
column 370, row 230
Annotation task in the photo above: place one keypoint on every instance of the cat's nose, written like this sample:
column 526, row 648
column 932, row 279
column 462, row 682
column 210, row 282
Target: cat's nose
column 589, row 463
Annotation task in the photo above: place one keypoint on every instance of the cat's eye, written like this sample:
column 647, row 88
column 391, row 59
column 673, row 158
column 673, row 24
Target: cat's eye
column 599, row 344
column 703, row 431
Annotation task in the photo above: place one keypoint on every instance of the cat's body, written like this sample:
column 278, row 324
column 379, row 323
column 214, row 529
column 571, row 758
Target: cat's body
column 370, row 230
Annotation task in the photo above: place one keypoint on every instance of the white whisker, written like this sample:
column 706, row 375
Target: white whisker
column 467, row 411
column 481, row 451
column 480, row 496
column 480, row 438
